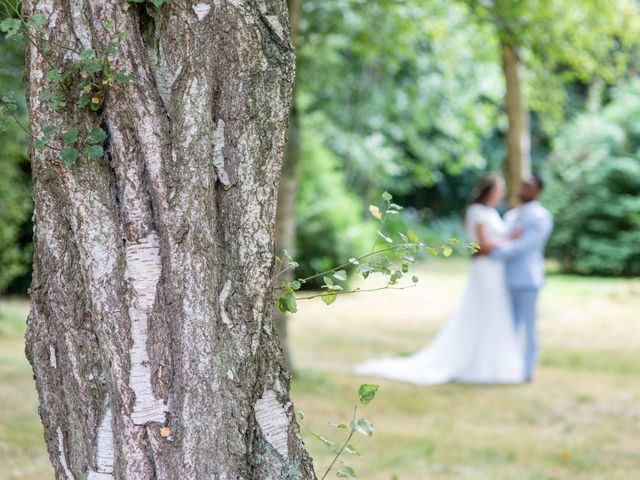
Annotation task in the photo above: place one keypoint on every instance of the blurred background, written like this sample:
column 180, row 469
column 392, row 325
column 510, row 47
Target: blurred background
column 410, row 97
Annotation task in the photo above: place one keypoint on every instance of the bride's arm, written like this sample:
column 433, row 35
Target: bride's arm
column 485, row 245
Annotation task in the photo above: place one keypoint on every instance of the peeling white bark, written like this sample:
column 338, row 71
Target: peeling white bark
column 276, row 25
column 143, row 272
column 218, row 154
column 62, row 456
column 52, row 357
column 79, row 24
column 105, row 452
column 226, row 290
column 274, row 422
column 201, row 10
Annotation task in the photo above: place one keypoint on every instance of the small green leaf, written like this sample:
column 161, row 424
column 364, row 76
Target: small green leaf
column 123, row 77
column 342, row 426
column 287, row 303
column 10, row 26
column 50, row 129
column 412, row 236
column 447, row 250
column 414, row 279
column 87, row 54
column 432, row 251
column 295, row 285
column 97, row 135
column 158, row 3
column 367, row 392
column 384, row 237
column 54, row 75
column 328, row 282
column 326, row 441
column 340, row 275
column 329, row 297
column 363, row 426
column 346, row 472
column 94, row 152
column 71, row 136
column 300, row 415
column 110, row 24
column 37, row 20
column 454, row 241
column 375, row 211
column 69, row 156
column 39, row 143
column 350, row 449
column 387, row 196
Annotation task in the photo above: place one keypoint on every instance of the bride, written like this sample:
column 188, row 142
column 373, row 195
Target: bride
column 478, row 344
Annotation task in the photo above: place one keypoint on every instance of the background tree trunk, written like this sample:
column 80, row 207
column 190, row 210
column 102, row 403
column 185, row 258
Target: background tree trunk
column 149, row 334
column 518, row 141
column 287, row 194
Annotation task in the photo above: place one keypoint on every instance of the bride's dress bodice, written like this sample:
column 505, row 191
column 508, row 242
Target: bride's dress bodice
column 494, row 227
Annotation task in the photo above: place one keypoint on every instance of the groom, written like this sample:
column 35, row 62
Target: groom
column 524, row 257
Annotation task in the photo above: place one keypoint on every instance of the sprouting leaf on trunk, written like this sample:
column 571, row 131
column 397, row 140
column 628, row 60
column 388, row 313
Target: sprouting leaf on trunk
column 69, row 156
column 96, row 135
column 287, row 303
column 70, row 136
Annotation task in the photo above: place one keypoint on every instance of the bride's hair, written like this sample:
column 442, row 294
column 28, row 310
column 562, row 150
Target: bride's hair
column 483, row 188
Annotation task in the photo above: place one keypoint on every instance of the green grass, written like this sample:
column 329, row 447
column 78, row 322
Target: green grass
column 579, row 420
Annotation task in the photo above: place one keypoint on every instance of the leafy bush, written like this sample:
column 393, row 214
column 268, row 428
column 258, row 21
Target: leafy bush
column 15, row 182
column 329, row 219
column 595, row 189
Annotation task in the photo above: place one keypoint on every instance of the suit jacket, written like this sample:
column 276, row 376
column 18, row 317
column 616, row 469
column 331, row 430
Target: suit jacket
column 524, row 256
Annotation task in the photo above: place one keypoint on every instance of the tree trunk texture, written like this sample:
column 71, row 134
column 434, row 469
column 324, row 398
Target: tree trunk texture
column 518, row 141
column 150, row 335
column 287, row 194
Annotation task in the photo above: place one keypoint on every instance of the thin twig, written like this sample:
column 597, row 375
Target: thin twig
column 357, row 290
column 335, row 459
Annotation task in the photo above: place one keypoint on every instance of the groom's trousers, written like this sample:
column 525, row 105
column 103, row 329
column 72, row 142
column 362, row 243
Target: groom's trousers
column 523, row 302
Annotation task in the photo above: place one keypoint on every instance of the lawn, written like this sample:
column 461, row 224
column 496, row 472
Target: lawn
column 580, row 419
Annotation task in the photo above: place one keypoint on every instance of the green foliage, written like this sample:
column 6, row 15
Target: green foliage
column 329, row 227
column 15, row 182
column 595, row 189
column 362, row 426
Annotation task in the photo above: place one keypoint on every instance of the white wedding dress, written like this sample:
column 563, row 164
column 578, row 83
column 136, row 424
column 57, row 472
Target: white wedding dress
column 478, row 344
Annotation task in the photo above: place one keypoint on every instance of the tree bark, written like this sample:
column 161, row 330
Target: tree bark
column 150, row 335
column 518, row 140
column 287, row 194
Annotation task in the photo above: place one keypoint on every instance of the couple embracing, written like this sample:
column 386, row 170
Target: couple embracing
column 481, row 342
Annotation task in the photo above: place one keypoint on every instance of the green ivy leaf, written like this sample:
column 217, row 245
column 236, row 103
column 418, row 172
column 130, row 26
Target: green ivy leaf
column 10, row 26
column 287, row 303
column 367, row 392
column 97, row 135
column 69, row 156
column 87, row 54
column 70, row 136
column 50, row 129
column 37, row 20
column 94, row 152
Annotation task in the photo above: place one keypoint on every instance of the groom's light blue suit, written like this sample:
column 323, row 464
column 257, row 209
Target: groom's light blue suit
column 524, row 258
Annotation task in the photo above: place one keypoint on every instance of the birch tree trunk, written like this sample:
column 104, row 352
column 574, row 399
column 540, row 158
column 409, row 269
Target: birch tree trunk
column 518, row 141
column 288, row 192
column 149, row 333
